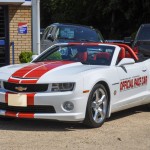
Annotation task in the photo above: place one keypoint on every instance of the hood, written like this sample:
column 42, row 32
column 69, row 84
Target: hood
column 31, row 73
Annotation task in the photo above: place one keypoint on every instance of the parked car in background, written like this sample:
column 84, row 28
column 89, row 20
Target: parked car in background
column 62, row 33
column 141, row 42
column 41, row 32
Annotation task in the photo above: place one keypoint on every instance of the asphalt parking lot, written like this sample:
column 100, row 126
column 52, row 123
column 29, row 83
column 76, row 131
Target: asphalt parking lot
column 126, row 130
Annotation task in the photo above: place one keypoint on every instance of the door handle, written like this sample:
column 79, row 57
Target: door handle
column 144, row 70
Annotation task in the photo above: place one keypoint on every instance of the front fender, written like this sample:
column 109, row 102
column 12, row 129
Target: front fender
column 109, row 77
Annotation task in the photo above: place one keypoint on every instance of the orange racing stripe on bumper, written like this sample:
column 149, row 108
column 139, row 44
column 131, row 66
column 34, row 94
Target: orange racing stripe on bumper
column 10, row 114
column 25, row 115
column 19, row 115
column 30, row 99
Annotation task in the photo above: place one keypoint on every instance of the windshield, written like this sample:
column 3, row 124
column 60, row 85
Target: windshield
column 144, row 34
column 92, row 55
column 78, row 33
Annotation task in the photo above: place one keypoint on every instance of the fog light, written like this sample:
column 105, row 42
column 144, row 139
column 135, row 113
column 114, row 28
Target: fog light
column 68, row 106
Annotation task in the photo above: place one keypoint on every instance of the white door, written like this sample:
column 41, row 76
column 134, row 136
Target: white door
column 133, row 83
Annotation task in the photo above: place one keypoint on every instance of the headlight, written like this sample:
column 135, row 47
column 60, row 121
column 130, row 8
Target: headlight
column 62, row 87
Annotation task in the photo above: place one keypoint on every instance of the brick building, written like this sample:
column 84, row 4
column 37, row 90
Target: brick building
column 15, row 26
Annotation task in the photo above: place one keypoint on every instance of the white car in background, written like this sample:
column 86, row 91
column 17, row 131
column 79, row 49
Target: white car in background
column 83, row 82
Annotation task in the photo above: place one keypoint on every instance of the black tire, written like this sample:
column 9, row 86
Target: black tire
column 148, row 106
column 97, row 106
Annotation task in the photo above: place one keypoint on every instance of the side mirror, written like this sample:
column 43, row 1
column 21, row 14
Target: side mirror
column 126, row 61
column 41, row 33
column 34, row 57
column 50, row 37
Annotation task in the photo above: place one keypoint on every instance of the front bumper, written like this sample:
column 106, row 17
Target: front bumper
column 57, row 116
column 50, row 99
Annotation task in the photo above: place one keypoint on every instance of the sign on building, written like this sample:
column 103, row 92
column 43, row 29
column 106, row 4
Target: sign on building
column 22, row 28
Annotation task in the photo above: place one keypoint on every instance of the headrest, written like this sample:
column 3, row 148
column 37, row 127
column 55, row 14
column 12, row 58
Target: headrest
column 82, row 56
column 122, row 53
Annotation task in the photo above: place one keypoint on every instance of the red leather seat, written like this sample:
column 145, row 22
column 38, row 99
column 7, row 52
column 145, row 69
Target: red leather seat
column 82, row 56
column 122, row 54
column 128, row 55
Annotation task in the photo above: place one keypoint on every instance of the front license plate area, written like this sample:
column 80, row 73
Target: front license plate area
column 17, row 100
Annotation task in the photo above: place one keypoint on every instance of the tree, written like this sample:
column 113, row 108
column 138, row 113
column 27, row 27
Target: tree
column 114, row 18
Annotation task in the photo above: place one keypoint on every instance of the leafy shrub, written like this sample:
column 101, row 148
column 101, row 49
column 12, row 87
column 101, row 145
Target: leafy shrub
column 25, row 57
column 55, row 56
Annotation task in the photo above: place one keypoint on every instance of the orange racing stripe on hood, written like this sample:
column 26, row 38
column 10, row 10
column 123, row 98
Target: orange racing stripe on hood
column 35, row 71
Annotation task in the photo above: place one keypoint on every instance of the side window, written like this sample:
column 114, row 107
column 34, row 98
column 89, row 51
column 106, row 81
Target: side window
column 54, row 32
column 45, row 33
column 100, row 37
column 49, row 32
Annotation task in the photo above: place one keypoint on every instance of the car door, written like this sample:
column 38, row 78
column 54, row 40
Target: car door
column 133, row 83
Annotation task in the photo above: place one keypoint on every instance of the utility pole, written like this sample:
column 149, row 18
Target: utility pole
column 36, row 26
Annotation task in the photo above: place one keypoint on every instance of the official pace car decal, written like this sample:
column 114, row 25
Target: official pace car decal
column 131, row 83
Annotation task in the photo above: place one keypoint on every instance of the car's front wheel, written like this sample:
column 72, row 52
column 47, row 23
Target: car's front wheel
column 148, row 105
column 97, row 106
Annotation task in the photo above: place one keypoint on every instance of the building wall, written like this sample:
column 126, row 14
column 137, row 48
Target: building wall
column 22, row 42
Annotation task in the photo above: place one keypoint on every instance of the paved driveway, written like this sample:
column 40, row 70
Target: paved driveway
column 126, row 130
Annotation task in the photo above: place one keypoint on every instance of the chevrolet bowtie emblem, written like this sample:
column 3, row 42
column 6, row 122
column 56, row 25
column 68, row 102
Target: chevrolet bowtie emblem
column 20, row 89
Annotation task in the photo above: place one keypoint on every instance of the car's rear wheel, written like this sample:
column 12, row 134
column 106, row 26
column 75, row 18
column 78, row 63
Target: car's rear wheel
column 97, row 106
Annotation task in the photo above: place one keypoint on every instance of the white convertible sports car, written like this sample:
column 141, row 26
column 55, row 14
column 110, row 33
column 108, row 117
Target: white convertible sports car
column 83, row 82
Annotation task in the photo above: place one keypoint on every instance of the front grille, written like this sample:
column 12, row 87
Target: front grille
column 27, row 87
column 28, row 109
